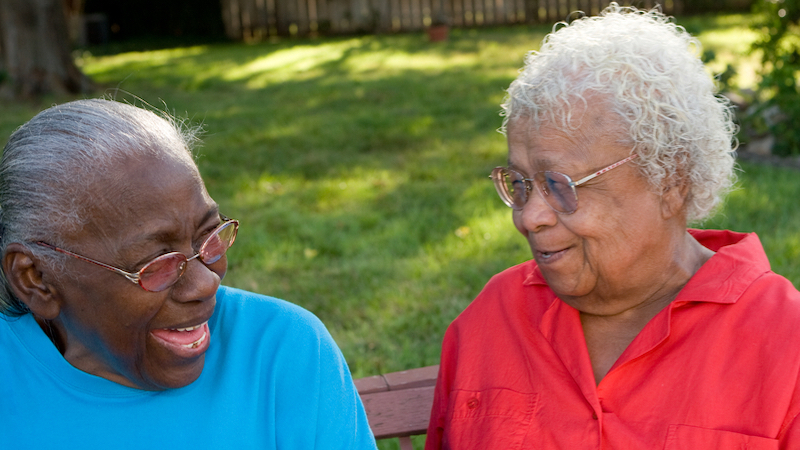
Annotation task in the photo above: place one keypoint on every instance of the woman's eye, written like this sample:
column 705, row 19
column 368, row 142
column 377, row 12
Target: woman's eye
column 206, row 233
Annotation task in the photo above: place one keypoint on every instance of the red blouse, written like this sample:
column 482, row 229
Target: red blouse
column 718, row 368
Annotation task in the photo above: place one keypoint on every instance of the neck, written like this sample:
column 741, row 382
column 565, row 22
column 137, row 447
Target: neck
column 647, row 291
column 641, row 304
column 51, row 333
column 609, row 333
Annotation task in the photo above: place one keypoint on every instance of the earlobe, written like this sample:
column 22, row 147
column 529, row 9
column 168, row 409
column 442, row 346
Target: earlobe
column 25, row 276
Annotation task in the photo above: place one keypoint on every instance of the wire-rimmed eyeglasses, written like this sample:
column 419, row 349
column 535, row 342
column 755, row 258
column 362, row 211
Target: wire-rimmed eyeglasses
column 165, row 270
column 557, row 189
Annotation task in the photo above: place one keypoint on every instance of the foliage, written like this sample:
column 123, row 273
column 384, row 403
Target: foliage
column 779, row 25
column 715, row 6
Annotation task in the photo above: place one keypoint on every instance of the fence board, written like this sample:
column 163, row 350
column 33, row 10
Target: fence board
column 259, row 19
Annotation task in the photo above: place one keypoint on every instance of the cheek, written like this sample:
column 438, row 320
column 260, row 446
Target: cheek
column 124, row 319
column 609, row 245
column 126, row 329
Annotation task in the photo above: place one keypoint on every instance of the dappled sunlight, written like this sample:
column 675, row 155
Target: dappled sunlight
column 491, row 232
column 732, row 41
column 304, row 62
column 295, row 59
column 155, row 58
column 733, row 47
column 393, row 60
column 353, row 192
column 289, row 62
column 357, row 191
column 262, row 65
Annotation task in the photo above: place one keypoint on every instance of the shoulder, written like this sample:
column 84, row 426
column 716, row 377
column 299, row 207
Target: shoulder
column 258, row 307
column 255, row 317
column 510, row 284
column 520, row 289
column 773, row 298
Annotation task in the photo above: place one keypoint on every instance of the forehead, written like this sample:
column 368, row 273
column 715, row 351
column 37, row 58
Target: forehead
column 591, row 135
column 142, row 193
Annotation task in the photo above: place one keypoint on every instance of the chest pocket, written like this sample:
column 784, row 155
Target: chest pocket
column 687, row 437
column 488, row 419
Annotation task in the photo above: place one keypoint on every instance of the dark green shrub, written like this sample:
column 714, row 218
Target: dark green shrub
column 778, row 22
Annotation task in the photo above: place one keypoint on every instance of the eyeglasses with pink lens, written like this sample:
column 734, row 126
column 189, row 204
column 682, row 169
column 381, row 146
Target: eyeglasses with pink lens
column 165, row 270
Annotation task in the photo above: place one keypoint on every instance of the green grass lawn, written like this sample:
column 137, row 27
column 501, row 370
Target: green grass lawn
column 359, row 166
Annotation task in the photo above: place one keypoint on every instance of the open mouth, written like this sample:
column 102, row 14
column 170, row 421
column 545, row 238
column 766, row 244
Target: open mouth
column 193, row 344
column 550, row 256
column 186, row 339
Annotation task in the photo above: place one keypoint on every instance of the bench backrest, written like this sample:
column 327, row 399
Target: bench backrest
column 399, row 404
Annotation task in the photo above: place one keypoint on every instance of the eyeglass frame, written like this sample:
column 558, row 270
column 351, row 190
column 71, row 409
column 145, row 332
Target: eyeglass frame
column 136, row 277
column 500, row 183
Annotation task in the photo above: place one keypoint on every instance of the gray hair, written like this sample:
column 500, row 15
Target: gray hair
column 50, row 162
column 648, row 70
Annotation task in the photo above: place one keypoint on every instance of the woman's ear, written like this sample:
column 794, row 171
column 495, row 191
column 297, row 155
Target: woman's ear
column 673, row 198
column 25, row 274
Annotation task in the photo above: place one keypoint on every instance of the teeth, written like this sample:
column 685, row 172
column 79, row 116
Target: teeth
column 188, row 328
column 196, row 343
column 546, row 255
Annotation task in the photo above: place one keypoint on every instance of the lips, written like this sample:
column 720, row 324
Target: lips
column 185, row 341
column 550, row 256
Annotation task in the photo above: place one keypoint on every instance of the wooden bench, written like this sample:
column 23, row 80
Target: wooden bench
column 398, row 404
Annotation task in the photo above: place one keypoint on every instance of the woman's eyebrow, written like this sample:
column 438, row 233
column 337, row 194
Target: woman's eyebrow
column 165, row 233
column 213, row 211
column 541, row 164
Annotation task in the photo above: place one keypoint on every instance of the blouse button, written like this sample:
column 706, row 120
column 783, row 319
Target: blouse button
column 472, row 403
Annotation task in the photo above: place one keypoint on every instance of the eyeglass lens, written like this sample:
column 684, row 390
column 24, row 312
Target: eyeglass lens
column 516, row 189
column 165, row 270
column 556, row 189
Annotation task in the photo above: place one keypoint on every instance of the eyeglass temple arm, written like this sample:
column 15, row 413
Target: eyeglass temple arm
column 603, row 170
column 133, row 277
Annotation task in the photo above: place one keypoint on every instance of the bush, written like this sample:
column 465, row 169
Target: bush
column 715, row 6
column 778, row 22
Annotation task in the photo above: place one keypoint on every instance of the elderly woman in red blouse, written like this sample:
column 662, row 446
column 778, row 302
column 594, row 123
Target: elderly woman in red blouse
column 627, row 330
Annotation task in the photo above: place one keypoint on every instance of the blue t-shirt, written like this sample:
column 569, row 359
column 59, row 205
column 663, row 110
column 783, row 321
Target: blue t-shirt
column 273, row 379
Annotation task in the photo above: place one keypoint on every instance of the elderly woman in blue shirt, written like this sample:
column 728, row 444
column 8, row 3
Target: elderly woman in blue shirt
column 115, row 330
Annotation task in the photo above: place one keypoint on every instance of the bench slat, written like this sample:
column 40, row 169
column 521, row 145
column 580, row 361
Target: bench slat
column 423, row 376
column 399, row 413
column 368, row 385
column 398, row 404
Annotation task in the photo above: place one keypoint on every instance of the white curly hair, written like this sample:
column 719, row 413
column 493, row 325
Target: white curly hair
column 649, row 70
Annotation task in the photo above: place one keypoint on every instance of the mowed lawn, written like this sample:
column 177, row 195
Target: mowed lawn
column 358, row 167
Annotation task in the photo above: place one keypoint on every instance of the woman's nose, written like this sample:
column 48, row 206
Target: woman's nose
column 535, row 215
column 199, row 282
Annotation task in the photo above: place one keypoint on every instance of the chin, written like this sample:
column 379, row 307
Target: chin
column 568, row 289
column 175, row 378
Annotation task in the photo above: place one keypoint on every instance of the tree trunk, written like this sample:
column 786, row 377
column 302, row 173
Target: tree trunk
column 36, row 49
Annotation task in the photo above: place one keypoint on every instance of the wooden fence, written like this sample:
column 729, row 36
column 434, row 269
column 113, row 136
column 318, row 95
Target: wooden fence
column 250, row 20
